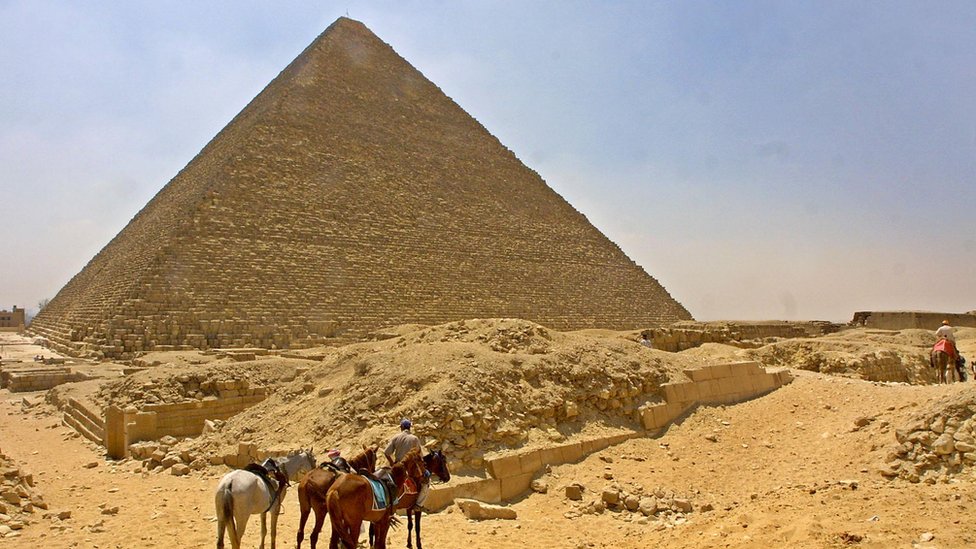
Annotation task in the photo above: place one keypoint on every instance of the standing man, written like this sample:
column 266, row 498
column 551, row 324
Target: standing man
column 400, row 444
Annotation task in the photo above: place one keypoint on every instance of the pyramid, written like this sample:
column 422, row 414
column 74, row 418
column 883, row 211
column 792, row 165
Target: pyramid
column 349, row 195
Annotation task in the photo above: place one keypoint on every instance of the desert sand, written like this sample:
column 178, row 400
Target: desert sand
column 808, row 465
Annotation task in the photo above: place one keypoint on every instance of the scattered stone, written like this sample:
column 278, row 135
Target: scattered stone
column 610, row 496
column 476, row 510
column 539, row 486
column 574, row 492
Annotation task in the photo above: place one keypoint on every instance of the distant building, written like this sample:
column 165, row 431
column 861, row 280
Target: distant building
column 13, row 319
column 904, row 320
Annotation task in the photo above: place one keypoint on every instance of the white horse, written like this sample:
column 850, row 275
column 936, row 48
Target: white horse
column 242, row 493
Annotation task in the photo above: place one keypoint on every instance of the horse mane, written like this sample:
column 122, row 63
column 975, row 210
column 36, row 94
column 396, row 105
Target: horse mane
column 363, row 460
column 412, row 457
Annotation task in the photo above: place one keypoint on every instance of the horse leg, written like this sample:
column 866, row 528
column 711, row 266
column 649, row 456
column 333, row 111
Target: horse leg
column 274, row 524
column 264, row 527
column 319, row 520
column 241, row 521
column 410, row 528
column 304, row 508
column 350, row 538
column 382, row 528
column 419, row 513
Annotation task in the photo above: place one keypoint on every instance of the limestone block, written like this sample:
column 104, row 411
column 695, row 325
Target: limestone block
column 671, row 392
column 439, row 497
column 503, row 467
column 766, row 382
column 745, row 368
column 595, row 445
column 515, row 486
column 488, row 490
column 248, row 449
column 687, row 392
column 698, row 374
column 551, row 456
column 721, row 370
column 475, row 510
column 530, row 462
column 709, row 389
column 660, row 415
column 571, row 452
column 742, row 384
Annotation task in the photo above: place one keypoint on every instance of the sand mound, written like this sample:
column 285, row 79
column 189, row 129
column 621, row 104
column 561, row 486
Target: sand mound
column 472, row 388
column 873, row 355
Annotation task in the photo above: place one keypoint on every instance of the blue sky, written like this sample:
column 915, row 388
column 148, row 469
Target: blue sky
column 762, row 160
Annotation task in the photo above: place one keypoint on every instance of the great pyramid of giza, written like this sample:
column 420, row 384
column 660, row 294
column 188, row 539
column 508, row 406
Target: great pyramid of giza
column 349, row 195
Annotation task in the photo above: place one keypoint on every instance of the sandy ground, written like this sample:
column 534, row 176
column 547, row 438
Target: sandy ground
column 789, row 469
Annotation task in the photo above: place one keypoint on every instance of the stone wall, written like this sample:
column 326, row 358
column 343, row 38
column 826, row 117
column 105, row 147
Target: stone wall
column 154, row 421
column 510, row 476
column 686, row 335
column 904, row 320
column 717, row 384
column 80, row 417
column 37, row 379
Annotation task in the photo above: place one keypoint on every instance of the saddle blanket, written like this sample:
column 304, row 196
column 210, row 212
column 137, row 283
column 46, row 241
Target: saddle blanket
column 945, row 346
column 379, row 494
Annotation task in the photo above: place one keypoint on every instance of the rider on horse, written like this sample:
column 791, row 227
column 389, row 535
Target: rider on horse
column 945, row 332
column 400, row 444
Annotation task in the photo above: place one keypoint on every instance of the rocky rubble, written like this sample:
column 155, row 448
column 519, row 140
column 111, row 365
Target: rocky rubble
column 164, row 455
column 170, row 384
column 19, row 500
column 632, row 502
column 936, row 444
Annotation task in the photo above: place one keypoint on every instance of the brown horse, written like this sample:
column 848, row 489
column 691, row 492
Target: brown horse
column 943, row 360
column 315, row 485
column 435, row 463
column 350, row 502
column 944, row 366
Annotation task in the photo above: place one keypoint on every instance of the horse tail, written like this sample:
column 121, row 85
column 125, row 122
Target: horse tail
column 340, row 525
column 227, row 509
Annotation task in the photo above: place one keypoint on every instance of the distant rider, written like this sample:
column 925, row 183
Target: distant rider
column 946, row 332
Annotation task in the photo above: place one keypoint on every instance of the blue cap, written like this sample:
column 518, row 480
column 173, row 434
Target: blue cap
column 405, row 423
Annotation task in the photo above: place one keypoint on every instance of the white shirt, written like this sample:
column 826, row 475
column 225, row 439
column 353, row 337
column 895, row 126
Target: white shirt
column 946, row 332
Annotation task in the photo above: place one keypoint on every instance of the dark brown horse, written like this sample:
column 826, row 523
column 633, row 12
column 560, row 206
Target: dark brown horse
column 350, row 502
column 315, row 485
column 435, row 463
column 943, row 360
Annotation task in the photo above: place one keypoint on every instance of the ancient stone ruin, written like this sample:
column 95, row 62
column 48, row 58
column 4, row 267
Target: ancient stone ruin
column 349, row 195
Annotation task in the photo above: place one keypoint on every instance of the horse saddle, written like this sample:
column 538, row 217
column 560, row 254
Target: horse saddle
column 945, row 346
column 382, row 486
column 410, row 486
column 272, row 476
column 337, row 464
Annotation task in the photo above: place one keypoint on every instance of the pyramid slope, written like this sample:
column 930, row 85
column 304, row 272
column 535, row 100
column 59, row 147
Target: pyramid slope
column 350, row 194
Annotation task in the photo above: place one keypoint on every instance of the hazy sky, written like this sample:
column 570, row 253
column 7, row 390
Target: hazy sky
column 762, row 160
